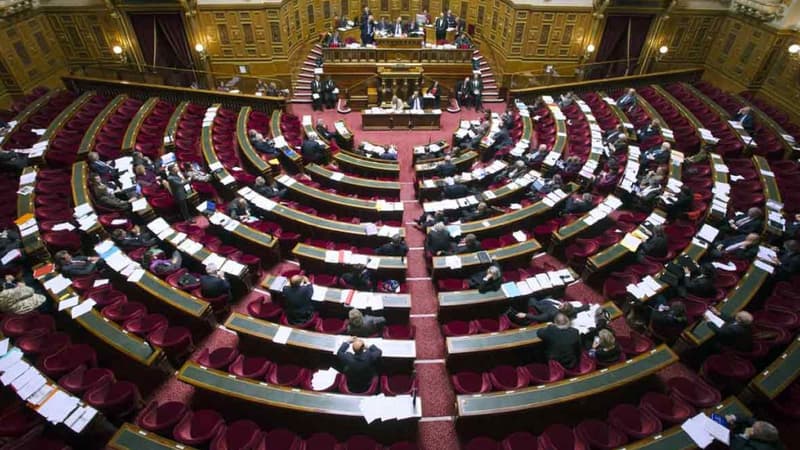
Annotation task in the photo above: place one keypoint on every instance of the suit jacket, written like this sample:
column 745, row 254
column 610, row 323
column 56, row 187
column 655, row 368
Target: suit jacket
column 626, row 101
column 392, row 249
column 438, row 241
column 269, row 191
column 475, row 85
column 739, row 442
column 656, row 246
column 371, row 325
column 264, row 146
column 577, row 206
column 311, row 151
column 747, row 225
column 746, row 120
column 212, row 287
column 445, row 169
column 316, row 87
column 101, row 168
column 79, row 266
column 109, row 200
column 323, row 131
column 701, row 286
column 733, row 334
column 456, row 190
column 236, row 211
column 359, row 369
column 328, row 86
column 440, row 24
column 547, row 310
column 562, row 345
column 462, row 88
column 176, row 186
column 299, row 306
column 411, row 101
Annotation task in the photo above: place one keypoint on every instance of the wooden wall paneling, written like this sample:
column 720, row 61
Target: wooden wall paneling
column 740, row 50
column 85, row 36
column 31, row 55
column 689, row 36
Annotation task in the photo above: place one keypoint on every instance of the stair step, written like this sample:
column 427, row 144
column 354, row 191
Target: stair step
column 298, row 100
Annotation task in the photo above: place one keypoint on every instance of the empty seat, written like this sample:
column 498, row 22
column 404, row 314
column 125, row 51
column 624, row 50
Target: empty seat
column 281, row 439
column 115, row 400
column 637, row 423
column 560, row 437
column 198, row 428
column 239, row 435
column 161, row 418
column 254, row 367
column 218, row 359
column 482, row 443
column 471, row 382
column 600, row 435
column 694, row 392
column 83, row 379
column 521, row 440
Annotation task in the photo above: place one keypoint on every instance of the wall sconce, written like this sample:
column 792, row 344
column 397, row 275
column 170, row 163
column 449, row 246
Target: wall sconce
column 201, row 51
column 662, row 51
column 119, row 52
column 794, row 49
column 587, row 55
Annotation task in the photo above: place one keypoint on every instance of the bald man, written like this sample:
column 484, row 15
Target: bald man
column 359, row 367
column 736, row 333
column 298, row 305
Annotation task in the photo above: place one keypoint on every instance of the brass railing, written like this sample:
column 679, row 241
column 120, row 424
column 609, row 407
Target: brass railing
column 143, row 91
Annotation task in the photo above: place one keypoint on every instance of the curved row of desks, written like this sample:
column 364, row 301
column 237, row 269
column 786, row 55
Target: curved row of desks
column 312, row 256
column 780, row 374
column 135, row 125
column 352, row 184
column 27, row 112
column 63, row 117
column 366, row 167
column 568, row 390
column 87, row 143
column 788, row 140
column 697, row 125
column 469, row 263
column 462, row 162
column 251, row 155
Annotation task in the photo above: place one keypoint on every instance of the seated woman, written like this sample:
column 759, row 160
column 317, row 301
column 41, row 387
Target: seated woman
column 605, row 348
column 156, row 261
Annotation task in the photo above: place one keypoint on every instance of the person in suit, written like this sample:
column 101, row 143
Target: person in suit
column 330, row 93
column 316, row 94
column 312, row 151
column 679, row 203
column 738, row 247
column 177, row 185
column 546, row 311
column 323, row 131
column 736, row 333
column 652, row 129
column 299, row 307
column 366, row 15
column 398, row 29
column 672, row 316
column 462, row 92
column 487, row 281
column 446, row 168
column 658, row 155
column 745, row 117
column 476, row 91
column 415, row 101
column 788, row 261
column 534, row 158
column 440, row 26
column 261, row 144
column 104, row 195
column 238, row 209
column 700, row 282
column 269, row 190
column 363, row 325
column 579, row 205
column 13, row 161
column 480, row 212
column 156, row 261
column 396, row 247
column 453, row 188
column 463, row 41
column 627, row 101
column 747, row 433
column 134, row 238
column 750, row 222
column 451, row 19
column 605, row 348
column 439, row 240
column 102, row 168
column 435, row 92
column 397, row 104
column 367, row 31
column 213, row 284
column 657, row 246
column 359, row 367
column 562, row 343
column 75, row 266
column 359, row 278
column 470, row 244
column 413, row 28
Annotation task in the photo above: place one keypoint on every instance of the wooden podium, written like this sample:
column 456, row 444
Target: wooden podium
column 399, row 79
column 398, row 42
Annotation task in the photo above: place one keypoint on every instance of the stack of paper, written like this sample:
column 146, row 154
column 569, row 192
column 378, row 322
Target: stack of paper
column 390, row 408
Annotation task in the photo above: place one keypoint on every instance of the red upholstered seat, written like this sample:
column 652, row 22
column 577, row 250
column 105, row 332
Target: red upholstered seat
column 361, row 442
column 670, row 410
column 83, row 379
column 17, row 420
column 331, row 325
column 254, row 367
column 174, row 341
column 281, row 439
column 17, row 325
column 506, row 377
column 637, row 423
column 694, row 392
column 521, row 440
column 198, row 427
column 482, row 443
column 727, row 370
column 468, row 382
column 67, row 359
column 634, row 344
column 585, row 365
column 42, row 342
column 105, row 295
column 560, row 437
column 399, row 331
column 539, row 373
column 459, row 328
column 287, row 375
column 122, row 311
column 399, row 384
column 264, row 308
column 219, row 358
column 600, row 435
column 239, row 435
column 161, row 418
column 115, row 400
column 146, row 324
column 321, row 441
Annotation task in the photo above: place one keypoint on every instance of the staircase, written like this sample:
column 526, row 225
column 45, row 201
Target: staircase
column 302, row 85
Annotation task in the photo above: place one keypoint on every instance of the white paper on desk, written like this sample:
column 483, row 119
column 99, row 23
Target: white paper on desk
column 728, row 267
column 370, row 229
column 10, row 256
column 81, row 309
column 370, row 409
column 708, row 233
column 158, row 225
column 27, row 376
column 232, row 267
column 10, row 358
column 58, row 407
column 136, row 275
column 33, row 385
column 27, row 178
column 544, row 280
column 84, row 419
column 11, row 373
column 631, row 242
column 68, row 303
column 697, row 432
column 373, row 263
column 713, row 318
column 635, row 290
column 38, row 397
column 716, row 430
column 453, row 262
column 323, row 379
column 214, row 259
column 65, row 226
column 764, row 266
column 139, row 205
column 318, row 293
column 585, row 319
column 118, row 261
column 375, row 302
column 282, row 335
column 57, row 284
column 4, row 346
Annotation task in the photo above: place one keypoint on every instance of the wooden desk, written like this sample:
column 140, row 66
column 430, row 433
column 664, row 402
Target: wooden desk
column 251, row 155
column 399, row 42
column 771, row 191
column 87, row 143
column 688, row 115
column 427, row 120
column 503, row 340
column 614, row 254
column 740, row 296
column 462, row 161
column 571, row 389
column 780, row 374
column 288, row 154
column 390, row 55
column 470, row 263
column 221, row 175
column 367, row 167
column 314, row 257
column 62, row 118
column 349, row 183
column 676, row 439
column 32, row 244
column 654, row 115
column 131, row 437
column 620, row 115
column 171, row 131
column 310, row 340
column 132, row 132
column 32, row 108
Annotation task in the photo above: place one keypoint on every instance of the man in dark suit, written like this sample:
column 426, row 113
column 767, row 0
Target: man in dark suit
column 268, row 190
column 101, row 168
column 750, row 222
column 547, row 309
column 446, row 168
column 367, row 29
column 788, row 260
column 611, row 136
column 739, row 247
column 476, row 91
column 453, row 188
column 658, row 155
column 396, row 247
column 451, row 19
column 323, row 130
column 470, row 244
column 312, row 151
column 562, row 343
column 177, row 186
column 12, row 160
column 579, row 205
column 627, row 101
column 439, row 240
column 330, row 93
column 316, row 93
column 213, row 284
column 75, row 266
column 657, row 246
column 133, row 238
column 297, row 297
column 736, row 333
column 238, row 209
column 359, row 367
column 440, row 25
column 415, row 101
column 747, row 433
column 462, row 91
column 398, row 29
column 261, row 144
column 745, row 117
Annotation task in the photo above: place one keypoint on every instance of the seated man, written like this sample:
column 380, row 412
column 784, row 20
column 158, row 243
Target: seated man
column 627, row 101
column 652, row 129
column 323, row 130
column 439, row 240
column 362, row 325
column 736, row 333
column 658, row 155
column 359, row 367
column 748, row 433
column 612, row 135
column 535, row 158
column 155, row 260
column 213, row 284
column 238, row 209
column 488, row 281
column 562, row 343
column 750, row 222
column 739, row 247
column 99, row 167
column 133, row 238
column 446, row 168
column 546, row 310
column 313, row 152
column 104, row 195
column 359, row 278
column 656, row 246
column 745, row 117
column 75, row 266
column 12, row 160
column 453, row 188
column 788, row 261
column 480, row 212
column 470, row 244
column 268, row 190
column 580, row 205
column 298, row 306
column 261, row 144
column 396, row 247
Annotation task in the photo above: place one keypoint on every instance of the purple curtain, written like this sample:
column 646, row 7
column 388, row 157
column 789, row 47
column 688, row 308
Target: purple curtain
column 614, row 45
column 162, row 39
